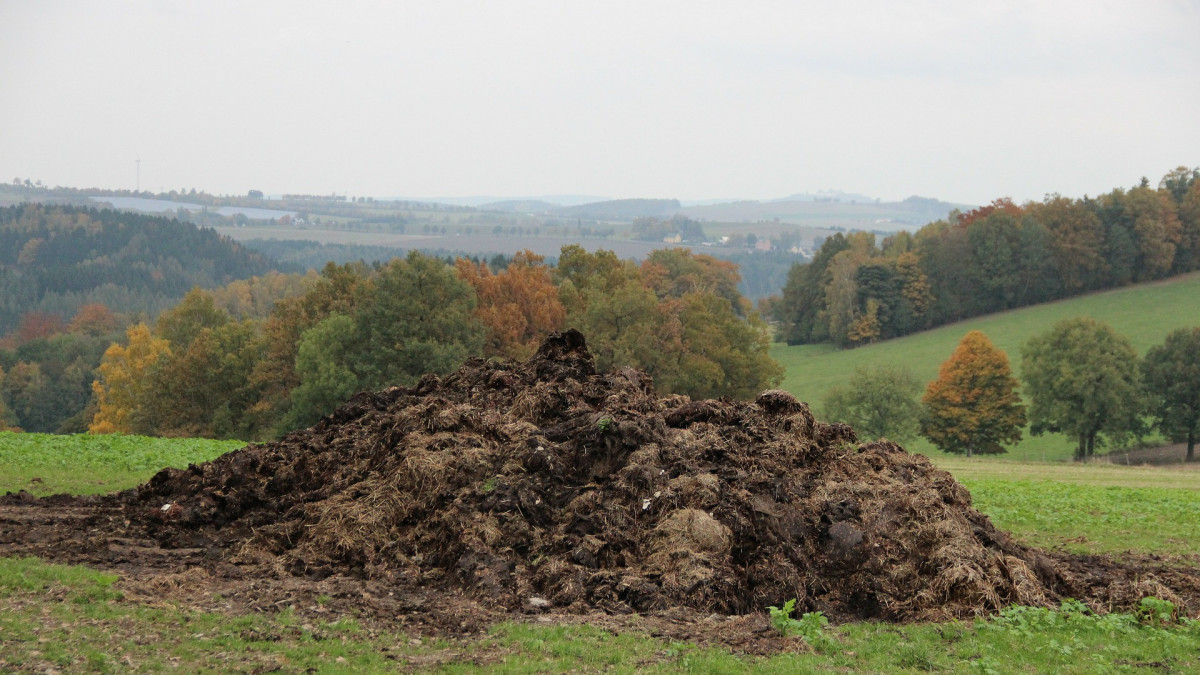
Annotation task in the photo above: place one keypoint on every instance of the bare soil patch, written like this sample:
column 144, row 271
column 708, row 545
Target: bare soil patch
column 546, row 490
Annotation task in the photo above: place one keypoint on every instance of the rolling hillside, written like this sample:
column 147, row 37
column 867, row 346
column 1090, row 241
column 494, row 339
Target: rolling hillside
column 1144, row 313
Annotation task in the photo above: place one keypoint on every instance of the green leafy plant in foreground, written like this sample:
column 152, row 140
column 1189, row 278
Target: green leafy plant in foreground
column 1157, row 612
column 810, row 626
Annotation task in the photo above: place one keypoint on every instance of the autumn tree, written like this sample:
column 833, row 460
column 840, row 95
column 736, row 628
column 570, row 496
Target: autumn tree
column 255, row 298
column 671, row 318
column 38, row 325
column 202, row 388
column 1177, row 182
column 334, row 292
column 184, row 322
column 519, row 305
column 1172, row 378
column 1156, row 229
column 1082, row 379
column 1077, row 242
column 122, row 381
column 878, row 402
column 676, row 272
column 1187, row 255
column 94, row 319
column 973, row 406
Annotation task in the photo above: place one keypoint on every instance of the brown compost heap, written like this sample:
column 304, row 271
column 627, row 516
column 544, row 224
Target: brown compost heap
column 545, row 484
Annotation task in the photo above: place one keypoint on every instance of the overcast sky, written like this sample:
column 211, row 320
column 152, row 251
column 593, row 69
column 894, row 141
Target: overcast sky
column 964, row 101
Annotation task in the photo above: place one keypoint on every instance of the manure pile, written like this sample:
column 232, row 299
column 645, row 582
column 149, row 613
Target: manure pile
column 547, row 485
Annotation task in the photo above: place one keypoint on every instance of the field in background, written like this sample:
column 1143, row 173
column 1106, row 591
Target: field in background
column 1144, row 313
column 46, row 464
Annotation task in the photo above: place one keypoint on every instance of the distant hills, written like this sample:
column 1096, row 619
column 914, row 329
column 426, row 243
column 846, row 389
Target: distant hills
column 832, row 209
column 846, row 212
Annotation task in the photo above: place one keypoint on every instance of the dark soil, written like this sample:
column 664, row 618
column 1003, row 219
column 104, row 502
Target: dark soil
column 546, row 488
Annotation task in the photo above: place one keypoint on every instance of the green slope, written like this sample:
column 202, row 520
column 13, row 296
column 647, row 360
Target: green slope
column 1144, row 313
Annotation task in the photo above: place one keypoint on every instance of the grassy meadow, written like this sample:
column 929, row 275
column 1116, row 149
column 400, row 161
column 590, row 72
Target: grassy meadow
column 46, row 464
column 1145, row 314
column 59, row 618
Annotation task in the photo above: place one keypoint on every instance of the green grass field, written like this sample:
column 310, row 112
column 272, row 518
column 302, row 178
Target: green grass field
column 45, row 464
column 67, row 618
column 1144, row 314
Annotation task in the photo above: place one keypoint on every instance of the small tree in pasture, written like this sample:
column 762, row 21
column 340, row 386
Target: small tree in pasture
column 878, row 402
column 1171, row 373
column 1082, row 379
column 973, row 406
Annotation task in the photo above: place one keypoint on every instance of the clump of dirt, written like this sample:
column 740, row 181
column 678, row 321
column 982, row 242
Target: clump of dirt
column 544, row 484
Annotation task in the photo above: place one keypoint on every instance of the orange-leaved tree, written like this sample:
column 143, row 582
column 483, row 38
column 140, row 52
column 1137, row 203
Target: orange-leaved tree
column 94, row 319
column 973, row 407
column 518, row 305
column 122, row 381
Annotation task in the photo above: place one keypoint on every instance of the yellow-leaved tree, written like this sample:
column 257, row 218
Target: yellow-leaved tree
column 973, row 407
column 123, row 380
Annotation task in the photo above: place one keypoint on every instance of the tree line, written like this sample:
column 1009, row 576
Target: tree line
column 994, row 258
column 1082, row 379
column 47, row 364
column 201, row 371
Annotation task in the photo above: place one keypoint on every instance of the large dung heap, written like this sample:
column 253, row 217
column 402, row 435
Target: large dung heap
column 544, row 483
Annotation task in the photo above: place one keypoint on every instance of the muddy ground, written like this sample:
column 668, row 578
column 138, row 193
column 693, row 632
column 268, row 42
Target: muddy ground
column 545, row 491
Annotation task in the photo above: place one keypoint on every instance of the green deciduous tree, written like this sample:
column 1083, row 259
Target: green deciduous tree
column 335, row 292
column 802, row 306
column 1172, row 379
column 670, row 317
column 324, row 364
column 878, row 402
column 1082, row 380
column 973, row 406
column 203, row 388
column 184, row 322
column 8, row 421
column 415, row 317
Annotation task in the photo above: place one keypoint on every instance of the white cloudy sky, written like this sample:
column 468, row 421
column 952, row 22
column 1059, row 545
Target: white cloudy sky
column 965, row 101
